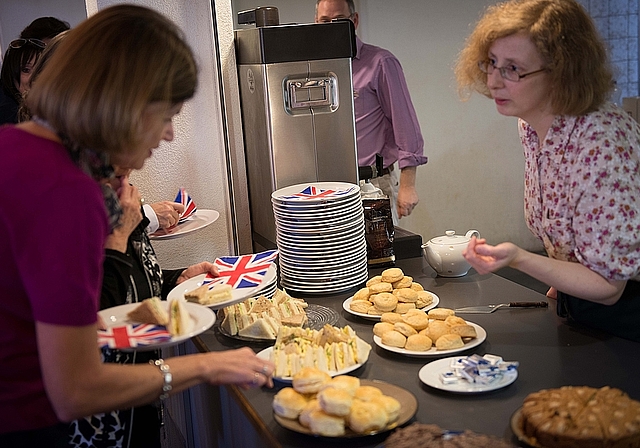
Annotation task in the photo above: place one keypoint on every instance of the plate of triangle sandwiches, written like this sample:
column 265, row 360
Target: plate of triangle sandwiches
column 259, row 319
column 152, row 324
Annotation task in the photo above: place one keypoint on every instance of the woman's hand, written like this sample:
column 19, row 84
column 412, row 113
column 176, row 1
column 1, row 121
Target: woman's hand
column 129, row 197
column 486, row 258
column 168, row 213
column 204, row 267
column 240, row 367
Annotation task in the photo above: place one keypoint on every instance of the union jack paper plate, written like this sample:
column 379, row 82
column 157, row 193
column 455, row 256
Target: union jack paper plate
column 123, row 334
column 198, row 220
column 247, row 275
column 316, row 192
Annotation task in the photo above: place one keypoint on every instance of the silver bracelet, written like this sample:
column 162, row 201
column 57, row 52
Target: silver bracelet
column 166, row 376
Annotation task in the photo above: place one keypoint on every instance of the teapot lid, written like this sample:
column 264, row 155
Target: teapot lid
column 451, row 238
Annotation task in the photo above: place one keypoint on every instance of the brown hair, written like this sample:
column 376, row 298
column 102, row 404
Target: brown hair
column 566, row 38
column 98, row 82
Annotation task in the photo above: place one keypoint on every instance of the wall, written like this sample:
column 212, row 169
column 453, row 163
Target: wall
column 474, row 178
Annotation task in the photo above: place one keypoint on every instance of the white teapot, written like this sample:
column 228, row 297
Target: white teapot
column 444, row 253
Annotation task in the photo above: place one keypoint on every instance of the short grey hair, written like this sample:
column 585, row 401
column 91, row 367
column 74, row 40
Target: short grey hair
column 350, row 4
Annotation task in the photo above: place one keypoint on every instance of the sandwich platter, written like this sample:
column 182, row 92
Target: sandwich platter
column 408, row 408
column 433, row 352
column 202, row 318
column 346, row 305
column 267, row 354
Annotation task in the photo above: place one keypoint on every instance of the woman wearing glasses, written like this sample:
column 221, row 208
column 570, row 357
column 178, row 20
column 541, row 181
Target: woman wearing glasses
column 544, row 62
column 18, row 61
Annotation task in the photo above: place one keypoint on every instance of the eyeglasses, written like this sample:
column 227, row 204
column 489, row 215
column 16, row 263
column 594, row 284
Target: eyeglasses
column 323, row 20
column 509, row 72
column 19, row 43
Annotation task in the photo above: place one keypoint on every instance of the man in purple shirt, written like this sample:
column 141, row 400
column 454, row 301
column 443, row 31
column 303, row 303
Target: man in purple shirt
column 386, row 121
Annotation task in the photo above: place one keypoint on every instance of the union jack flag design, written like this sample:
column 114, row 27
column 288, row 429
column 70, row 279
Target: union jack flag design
column 245, row 271
column 189, row 206
column 312, row 192
column 132, row 335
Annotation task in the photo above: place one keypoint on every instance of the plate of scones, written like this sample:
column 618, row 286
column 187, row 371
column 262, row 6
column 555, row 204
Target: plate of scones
column 389, row 292
column 434, row 333
column 343, row 406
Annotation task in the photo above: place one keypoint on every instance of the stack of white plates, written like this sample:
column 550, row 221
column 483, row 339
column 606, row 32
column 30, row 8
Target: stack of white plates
column 269, row 290
column 320, row 237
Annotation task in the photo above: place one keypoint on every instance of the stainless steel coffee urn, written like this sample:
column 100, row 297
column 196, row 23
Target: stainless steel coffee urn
column 297, row 108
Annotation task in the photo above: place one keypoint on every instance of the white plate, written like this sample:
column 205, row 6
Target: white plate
column 432, row 352
column 326, row 192
column 202, row 318
column 346, row 306
column 199, row 220
column 267, row 354
column 237, row 294
column 430, row 375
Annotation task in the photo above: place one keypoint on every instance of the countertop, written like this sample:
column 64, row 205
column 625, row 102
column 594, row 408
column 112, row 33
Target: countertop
column 551, row 354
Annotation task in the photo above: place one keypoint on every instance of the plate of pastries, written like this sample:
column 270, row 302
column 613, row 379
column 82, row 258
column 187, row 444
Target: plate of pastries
column 332, row 350
column 581, row 416
column 391, row 291
column 342, row 406
column 437, row 332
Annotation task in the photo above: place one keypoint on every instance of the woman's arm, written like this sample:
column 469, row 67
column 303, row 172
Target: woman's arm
column 569, row 277
column 79, row 384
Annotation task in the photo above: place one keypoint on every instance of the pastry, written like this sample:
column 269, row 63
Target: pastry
column 390, row 405
column 362, row 294
column 385, row 301
column 449, row 342
column 404, row 282
column 441, row 313
column 418, row 320
column 406, row 295
column 344, row 382
column 394, row 338
column 312, row 405
column 418, row 343
column 404, row 328
column 367, row 393
column 455, row 320
column 288, row 403
column 323, row 424
column 381, row 328
column 465, row 331
column 335, row 401
column 309, row 380
column 374, row 280
column 425, row 298
column 582, row 416
column 392, row 318
column 366, row 417
column 436, row 329
column 360, row 306
column 392, row 275
column 377, row 288
column 416, row 286
column 402, row 308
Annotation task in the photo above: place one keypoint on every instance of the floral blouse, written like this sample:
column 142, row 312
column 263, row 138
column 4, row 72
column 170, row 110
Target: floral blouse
column 582, row 190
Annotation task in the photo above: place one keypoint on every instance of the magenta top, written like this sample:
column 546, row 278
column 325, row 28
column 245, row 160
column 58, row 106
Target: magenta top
column 386, row 121
column 52, row 230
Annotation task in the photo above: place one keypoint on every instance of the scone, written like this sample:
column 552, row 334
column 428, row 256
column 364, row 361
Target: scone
column 406, row 295
column 392, row 275
column 436, row 329
column 312, row 405
column 344, row 382
column 335, row 401
column 367, row 393
column 464, row 331
column 385, row 301
column 360, row 306
column 455, row 320
column 449, row 342
column 394, row 338
column 390, row 405
column 381, row 328
column 441, row 313
column 404, row 328
column 392, row 318
column 366, row 417
column 418, row 343
column 418, row 320
column 309, row 380
column 402, row 308
column 323, row 424
column 417, row 286
column 374, row 280
column 362, row 294
column 425, row 298
column 377, row 288
column 288, row 403
column 404, row 282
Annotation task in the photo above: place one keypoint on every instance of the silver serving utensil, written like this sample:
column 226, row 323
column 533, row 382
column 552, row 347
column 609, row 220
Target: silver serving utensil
column 487, row 309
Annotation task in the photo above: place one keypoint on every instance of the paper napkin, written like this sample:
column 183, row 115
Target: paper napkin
column 189, row 206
